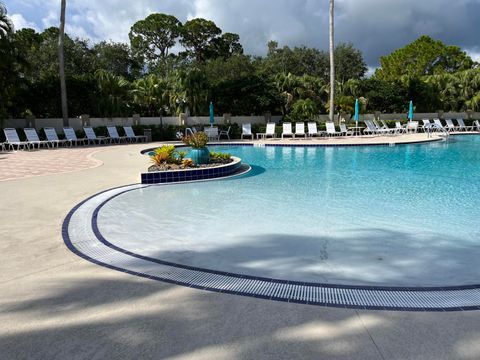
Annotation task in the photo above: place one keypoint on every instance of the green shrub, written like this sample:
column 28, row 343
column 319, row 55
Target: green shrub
column 220, row 156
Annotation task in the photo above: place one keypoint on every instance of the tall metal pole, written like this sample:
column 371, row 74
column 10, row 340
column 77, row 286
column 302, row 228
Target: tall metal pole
column 332, row 62
column 61, row 64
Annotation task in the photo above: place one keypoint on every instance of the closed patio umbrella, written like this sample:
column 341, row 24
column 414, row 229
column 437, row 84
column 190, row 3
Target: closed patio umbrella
column 357, row 113
column 410, row 111
column 212, row 117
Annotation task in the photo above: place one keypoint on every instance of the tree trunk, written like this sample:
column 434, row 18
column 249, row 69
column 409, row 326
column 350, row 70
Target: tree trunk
column 332, row 62
column 61, row 63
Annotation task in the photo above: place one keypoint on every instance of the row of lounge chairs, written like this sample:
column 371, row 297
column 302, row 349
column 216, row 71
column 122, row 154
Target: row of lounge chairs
column 449, row 126
column 287, row 130
column 372, row 127
column 33, row 141
column 312, row 130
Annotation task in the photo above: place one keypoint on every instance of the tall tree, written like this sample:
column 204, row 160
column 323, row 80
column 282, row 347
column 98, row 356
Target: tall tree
column 332, row 62
column 42, row 52
column 8, row 56
column 199, row 37
column 424, row 56
column 226, row 45
column 115, row 58
column 349, row 63
column 154, row 36
column 298, row 61
column 61, row 63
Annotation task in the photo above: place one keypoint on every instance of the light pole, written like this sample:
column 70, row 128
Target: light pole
column 61, row 64
column 332, row 62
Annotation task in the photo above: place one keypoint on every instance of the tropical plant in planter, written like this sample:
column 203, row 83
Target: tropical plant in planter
column 167, row 155
column 220, row 158
column 199, row 152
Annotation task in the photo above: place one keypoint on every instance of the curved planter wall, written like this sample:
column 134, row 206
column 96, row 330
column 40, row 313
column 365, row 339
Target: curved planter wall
column 184, row 175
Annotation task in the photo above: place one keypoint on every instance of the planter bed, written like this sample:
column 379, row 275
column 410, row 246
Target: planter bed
column 210, row 171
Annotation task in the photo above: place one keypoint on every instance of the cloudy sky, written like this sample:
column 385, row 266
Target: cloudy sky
column 374, row 26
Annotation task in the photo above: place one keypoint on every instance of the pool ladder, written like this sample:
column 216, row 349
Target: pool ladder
column 435, row 128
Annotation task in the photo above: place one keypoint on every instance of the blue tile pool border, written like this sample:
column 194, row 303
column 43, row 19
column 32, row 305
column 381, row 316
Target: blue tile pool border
column 187, row 175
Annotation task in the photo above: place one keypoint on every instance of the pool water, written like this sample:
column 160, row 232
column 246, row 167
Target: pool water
column 397, row 216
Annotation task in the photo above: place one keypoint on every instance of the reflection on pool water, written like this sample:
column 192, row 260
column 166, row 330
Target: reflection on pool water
column 395, row 216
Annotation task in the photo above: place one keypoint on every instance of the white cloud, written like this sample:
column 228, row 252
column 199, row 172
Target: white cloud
column 19, row 22
column 474, row 54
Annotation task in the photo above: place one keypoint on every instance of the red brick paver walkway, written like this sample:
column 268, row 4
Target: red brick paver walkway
column 24, row 164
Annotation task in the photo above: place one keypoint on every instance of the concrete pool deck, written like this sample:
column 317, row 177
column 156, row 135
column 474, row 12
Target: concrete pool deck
column 55, row 305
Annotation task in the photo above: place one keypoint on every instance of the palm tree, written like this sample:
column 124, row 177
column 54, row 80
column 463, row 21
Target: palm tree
column 6, row 26
column 8, row 59
column 288, row 86
column 61, row 63
column 114, row 92
column 191, row 87
column 332, row 62
column 151, row 94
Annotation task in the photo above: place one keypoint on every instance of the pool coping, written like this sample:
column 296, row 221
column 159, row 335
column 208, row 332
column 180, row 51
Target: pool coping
column 302, row 144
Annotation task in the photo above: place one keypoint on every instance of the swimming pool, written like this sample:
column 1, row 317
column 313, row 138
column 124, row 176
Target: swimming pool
column 404, row 216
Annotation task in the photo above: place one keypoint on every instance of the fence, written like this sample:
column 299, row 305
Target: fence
column 182, row 120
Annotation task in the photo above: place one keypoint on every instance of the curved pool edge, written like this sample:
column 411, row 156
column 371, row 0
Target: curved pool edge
column 100, row 252
column 301, row 143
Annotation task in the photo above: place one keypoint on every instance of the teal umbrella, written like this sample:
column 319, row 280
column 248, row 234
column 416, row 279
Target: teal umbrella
column 357, row 113
column 212, row 117
column 410, row 111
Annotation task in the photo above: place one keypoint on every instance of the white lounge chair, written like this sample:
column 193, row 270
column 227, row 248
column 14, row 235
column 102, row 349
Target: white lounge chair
column 71, row 136
column 375, row 130
column 384, row 125
column 399, row 128
column 439, row 125
column 300, row 129
column 33, row 139
column 270, row 132
column 224, row 133
column 450, row 126
column 92, row 137
column 370, row 129
column 130, row 134
column 287, row 130
column 344, row 131
column 377, row 125
column 313, row 131
column 331, row 131
column 114, row 137
column 13, row 140
column 462, row 126
column 476, row 124
column 52, row 137
column 246, row 131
